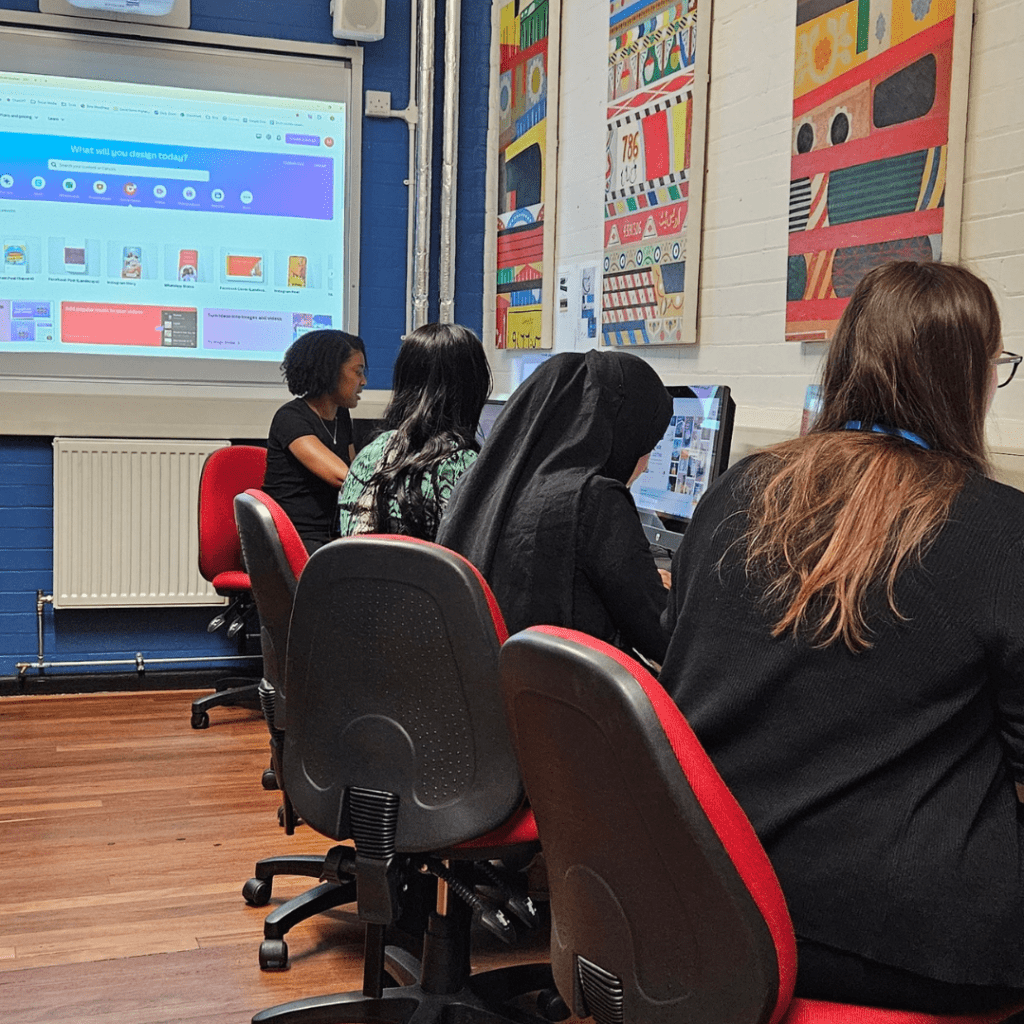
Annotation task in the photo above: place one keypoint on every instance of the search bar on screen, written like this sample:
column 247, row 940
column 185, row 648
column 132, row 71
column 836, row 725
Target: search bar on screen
column 129, row 170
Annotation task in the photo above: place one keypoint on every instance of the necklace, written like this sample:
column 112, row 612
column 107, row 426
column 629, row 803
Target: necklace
column 333, row 438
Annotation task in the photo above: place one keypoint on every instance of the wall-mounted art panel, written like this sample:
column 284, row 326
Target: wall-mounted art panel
column 879, row 117
column 527, row 105
column 657, row 99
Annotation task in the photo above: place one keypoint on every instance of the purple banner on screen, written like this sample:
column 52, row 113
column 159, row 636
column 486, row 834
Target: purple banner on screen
column 110, row 173
column 246, row 330
column 30, row 310
column 303, row 140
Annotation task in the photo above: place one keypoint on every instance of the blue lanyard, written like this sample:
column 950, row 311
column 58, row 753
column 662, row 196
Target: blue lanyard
column 878, row 428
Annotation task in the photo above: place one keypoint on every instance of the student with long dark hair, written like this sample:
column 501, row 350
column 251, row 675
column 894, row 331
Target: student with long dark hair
column 546, row 514
column 309, row 447
column 400, row 482
column 848, row 645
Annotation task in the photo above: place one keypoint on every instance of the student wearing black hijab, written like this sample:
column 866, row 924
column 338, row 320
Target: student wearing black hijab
column 546, row 514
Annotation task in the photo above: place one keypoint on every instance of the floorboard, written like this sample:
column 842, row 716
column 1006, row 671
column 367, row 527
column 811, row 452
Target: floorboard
column 126, row 836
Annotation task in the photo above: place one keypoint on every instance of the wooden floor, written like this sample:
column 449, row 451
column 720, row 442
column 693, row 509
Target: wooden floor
column 125, row 838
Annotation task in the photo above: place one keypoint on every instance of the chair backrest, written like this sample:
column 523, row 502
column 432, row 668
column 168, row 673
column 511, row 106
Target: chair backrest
column 664, row 905
column 274, row 556
column 227, row 472
column 392, row 682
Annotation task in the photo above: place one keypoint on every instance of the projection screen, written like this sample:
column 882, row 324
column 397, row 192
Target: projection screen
column 170, row 215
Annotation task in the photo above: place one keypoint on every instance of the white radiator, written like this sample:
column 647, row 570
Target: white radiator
column 125, row 523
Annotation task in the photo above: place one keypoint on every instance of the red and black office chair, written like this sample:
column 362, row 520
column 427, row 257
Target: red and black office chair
column 227, row 472
column 275, row 555
column 395, row 737
column 684, row 921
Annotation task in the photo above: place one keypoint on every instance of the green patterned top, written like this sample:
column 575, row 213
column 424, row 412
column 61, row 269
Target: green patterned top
column 356, row 497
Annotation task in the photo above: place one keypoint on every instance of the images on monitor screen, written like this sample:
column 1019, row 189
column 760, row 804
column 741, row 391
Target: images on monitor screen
column 488, row 415
column 692, row 453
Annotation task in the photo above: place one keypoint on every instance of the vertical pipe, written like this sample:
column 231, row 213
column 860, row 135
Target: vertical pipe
column 449, row 160
column 424, row 144
column 40, row 600
column 411, row 118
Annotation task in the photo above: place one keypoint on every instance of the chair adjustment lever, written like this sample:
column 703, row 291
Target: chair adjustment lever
column 490, row 914
column 339, row 865
column 514, row 897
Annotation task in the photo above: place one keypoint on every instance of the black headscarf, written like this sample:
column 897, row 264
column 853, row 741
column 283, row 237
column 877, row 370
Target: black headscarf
column 515, row 513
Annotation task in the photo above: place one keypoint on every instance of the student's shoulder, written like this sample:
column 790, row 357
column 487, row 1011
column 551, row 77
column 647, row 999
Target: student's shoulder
column 604, row 499
column 374, row 448
column 459, row 460
column 294, row 411
column 990, row 505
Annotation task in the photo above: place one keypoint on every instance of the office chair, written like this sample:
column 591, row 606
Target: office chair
column 664, row 905
column 274, row 554
column 395, row 737
column 227, row 472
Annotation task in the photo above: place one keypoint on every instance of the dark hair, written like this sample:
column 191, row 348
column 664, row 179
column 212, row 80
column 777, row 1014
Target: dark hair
column 312, row 364
column 441, row 381
column 836, row 512
column 913, row 350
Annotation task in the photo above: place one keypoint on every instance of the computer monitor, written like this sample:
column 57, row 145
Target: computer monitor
column 692, row 452
column 488, row 415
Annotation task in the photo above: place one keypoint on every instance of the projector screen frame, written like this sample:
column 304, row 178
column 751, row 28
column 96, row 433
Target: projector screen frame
column 180, row 15
column 224, row 397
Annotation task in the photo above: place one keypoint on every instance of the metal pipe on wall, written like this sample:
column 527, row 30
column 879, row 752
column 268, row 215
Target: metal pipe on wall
column 411, row 119
column 424, row 145
column 449, row 161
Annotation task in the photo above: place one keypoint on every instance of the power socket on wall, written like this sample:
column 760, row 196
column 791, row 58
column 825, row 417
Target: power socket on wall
column 377, row 104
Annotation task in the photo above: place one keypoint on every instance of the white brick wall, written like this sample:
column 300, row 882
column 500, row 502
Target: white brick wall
column 743, row 282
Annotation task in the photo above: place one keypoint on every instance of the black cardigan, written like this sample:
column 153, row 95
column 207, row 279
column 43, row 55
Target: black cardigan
column 881, row 783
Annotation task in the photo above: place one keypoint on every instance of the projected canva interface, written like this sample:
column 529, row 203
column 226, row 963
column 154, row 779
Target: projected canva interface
column 168, row 222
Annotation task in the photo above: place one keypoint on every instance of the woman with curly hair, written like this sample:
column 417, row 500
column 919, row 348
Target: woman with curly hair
column 400, row 482
column 309, row 448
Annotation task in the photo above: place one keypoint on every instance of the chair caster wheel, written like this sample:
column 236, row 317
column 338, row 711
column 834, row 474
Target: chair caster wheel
column 552, row 1006
column 256, row 892
column 273, row 955
column 269, row 779
column 200, row 719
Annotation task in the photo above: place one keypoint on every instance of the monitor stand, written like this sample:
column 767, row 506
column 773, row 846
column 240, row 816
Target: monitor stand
column 657, row 534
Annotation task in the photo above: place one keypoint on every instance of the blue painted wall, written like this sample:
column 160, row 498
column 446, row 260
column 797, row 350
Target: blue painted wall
column 26, row 463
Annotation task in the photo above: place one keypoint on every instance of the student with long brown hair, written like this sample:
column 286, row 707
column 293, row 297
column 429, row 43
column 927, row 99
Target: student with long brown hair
column 848, row 644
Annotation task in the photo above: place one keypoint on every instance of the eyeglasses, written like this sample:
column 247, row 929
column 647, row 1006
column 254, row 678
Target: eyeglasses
column 1006, row 365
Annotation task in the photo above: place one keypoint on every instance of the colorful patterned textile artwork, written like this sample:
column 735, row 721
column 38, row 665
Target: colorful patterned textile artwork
column 651, row 60
column 870, row 146
column 523, row 91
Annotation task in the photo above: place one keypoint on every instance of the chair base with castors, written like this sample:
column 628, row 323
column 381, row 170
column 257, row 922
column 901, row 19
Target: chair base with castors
column 273, row 955
column 233, row 696
column 444, row 992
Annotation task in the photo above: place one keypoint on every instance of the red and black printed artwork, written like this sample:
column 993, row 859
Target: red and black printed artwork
column 870, row 148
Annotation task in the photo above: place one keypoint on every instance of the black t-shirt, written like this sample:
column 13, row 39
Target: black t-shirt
column 310, row 503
